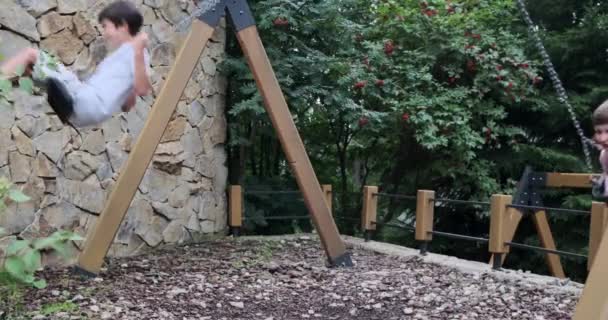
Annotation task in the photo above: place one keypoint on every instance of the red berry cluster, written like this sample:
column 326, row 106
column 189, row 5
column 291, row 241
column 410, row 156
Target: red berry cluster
column 475, row 36
column 471, row 66
column 363, row 121
column 280, row 22
column 424, row 8
column 488, row 135
column 360, row 84
column 389, row 47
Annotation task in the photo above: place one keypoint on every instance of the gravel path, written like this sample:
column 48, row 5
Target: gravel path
column 287, row 279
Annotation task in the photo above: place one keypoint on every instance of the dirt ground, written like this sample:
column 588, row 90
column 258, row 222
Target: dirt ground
column 286, row 279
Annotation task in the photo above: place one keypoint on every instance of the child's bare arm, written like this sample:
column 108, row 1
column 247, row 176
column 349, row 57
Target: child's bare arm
column 25, row 59
column 128, row 106
column 142, row 84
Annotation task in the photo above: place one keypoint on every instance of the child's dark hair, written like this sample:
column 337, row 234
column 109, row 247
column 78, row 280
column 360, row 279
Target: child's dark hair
column 121, row 12
column 600, row 115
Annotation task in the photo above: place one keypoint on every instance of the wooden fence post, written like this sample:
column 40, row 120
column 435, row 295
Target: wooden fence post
column 235, row 220
column 425, row 212
column 369, row 211
column 599, row 217
column 498, row 215
column 328, row 192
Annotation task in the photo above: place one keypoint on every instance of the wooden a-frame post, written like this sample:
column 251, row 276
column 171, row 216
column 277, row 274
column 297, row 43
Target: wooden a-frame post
column 528, row 194
column 100, row 240
column 593, row 303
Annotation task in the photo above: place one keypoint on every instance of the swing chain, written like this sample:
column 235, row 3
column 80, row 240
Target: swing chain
column 557, row 84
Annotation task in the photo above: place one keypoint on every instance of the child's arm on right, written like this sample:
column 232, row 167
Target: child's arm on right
column 142, row 84
column 130, row 102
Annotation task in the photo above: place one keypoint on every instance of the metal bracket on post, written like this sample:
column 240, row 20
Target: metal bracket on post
column 240, row 14
column 522, row 194
column 213, row 16
column 424, row 247
column 497, row 261
column 537, row 180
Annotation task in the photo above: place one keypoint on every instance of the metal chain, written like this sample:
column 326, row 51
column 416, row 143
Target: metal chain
column 557, row 84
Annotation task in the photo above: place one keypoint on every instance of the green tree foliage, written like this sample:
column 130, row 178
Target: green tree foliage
column 444, row 95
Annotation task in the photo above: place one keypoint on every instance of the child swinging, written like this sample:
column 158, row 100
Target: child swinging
column 114, row 86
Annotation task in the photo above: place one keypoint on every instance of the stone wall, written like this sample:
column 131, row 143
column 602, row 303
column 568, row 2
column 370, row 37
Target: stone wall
column 69, row 174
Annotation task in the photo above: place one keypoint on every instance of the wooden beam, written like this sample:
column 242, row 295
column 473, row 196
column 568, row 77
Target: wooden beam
column 292, row 144
column 597, row 227
column 546, row 239
column 369, row 209
column 593, row 304
column 498, row 217
column 568, row 180
column 425, row 211
column 235, row 206
column 131, row 174
column 327, row 191
column 512, row 219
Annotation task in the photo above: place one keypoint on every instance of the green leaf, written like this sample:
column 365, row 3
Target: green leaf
column 61, row 248
column 39, row 284
column 32, row 260
column 16, row 268
column 5, row 85
column 75, row 237
column 43, row 243
column 17, row 246
column 20, row 70
column 17, row 196
column 27, row 85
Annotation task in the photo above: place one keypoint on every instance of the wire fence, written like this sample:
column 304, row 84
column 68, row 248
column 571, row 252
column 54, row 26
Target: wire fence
column 459, row 236
column 454, row 201
column 540, row 249
column 549, row 209
column 396, row 196
column 254, row 192
column 395, row 225
column 436, row 202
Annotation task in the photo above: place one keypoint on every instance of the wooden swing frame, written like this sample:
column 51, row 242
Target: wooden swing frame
column 98, row 243
column 593, row 303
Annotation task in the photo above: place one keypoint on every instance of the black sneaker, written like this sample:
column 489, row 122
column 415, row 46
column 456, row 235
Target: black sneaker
column 60, row 99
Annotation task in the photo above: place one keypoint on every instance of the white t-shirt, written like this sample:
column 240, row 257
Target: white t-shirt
column 108, row 89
